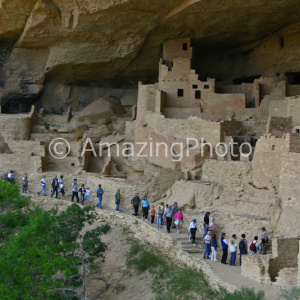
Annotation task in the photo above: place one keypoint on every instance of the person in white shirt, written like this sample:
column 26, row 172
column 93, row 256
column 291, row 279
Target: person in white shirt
column 192, row 230
column 62, row 190
column 43, row 182
column 233, row 246
column 87, row 194
column 224, row 244
column 207, row 242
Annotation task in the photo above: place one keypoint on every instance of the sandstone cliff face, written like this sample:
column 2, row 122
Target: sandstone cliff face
column 104, row 43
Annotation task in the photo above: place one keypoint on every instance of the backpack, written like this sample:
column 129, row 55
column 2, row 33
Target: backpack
column 253, row 247
column 242, row 245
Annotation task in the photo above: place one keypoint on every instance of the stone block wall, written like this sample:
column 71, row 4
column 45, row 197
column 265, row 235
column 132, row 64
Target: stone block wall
column 181, row 129
column 278, row 108
column 286, row 250
column 33, row 148
column 229, row 173
column 289, row 181
column 267, row 160
column 277, row 126
column 293, row 110
column 256, row 267
column 15, row 127
column 21, row 163
column 146, row 99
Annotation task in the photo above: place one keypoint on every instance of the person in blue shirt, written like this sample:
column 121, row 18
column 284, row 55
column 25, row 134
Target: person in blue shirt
column 224, row 244
column 99, row 193
column 145, row 206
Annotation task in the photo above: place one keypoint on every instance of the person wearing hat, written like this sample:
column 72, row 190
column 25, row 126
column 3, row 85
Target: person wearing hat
column 99, row 193
column 135, row 204
column 75, row 190
column 224, row 244
column 233, row 247
column 192, row 231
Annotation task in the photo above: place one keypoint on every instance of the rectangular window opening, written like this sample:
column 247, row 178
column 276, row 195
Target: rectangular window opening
column 195, row 86
column 184, row 46
column 281, row 42
column 180, row 93
column 197, row 94
column 206, row 86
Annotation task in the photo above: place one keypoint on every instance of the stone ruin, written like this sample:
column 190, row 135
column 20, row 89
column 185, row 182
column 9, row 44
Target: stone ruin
column 248, row 191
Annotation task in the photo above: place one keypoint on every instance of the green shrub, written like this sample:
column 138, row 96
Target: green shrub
column 292, row 294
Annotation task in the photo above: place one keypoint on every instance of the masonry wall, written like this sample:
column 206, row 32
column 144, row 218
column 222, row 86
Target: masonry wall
column 182, row 129
column 278, row 126
column 256, row 267
column 31, row 148
column 146, row 99
column 15, row 127
column 278, row 108
column 289, row 181
column 267, row 160
column 221, row 106
column 286, row 250
column 174, row 48
column 229, row 173
column 21, row 163
column 293, row 110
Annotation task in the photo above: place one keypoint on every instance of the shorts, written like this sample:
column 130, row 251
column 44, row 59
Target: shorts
column 62, row 191
column 87, row 196
column 178, row 222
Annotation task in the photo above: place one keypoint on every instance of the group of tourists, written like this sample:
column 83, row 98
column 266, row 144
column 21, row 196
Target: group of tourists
column 58, row 188
column 10, row 176
column 169, row 216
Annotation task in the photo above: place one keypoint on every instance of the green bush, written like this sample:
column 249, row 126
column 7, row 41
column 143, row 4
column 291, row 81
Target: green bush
column 292, row 294
column 47, row 126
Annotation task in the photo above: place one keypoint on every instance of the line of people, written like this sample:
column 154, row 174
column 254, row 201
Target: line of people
column 169, row 216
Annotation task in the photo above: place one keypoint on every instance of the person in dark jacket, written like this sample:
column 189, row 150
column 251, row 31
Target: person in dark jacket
column 136, row 203
column 224, row 244
column 243, row 247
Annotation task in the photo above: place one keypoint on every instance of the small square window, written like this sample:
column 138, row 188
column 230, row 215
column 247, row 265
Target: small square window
column 197, row 94
column 195, row 86
column 184, row 46
column 206, row 86
column 180, row 93
column 297, row 131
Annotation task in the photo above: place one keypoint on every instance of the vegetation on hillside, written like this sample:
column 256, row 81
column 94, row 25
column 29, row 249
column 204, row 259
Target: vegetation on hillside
column 172, row 282
column 43, row 254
